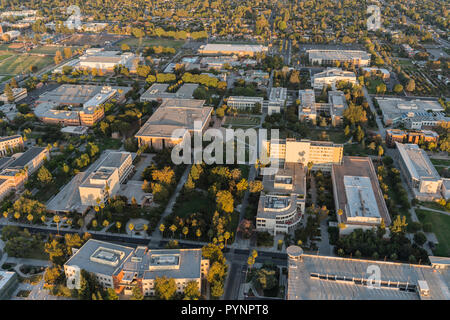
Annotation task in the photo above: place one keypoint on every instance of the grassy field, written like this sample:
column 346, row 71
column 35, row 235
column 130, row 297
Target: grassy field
column 441, row 227
column 18, row 64
column 440, row 162
column 51, row 50
column 242, row 121
column 134, row 42
column 337, row 136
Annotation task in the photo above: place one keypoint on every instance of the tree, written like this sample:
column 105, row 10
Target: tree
column 44, row 175
column 398, row 88
column 57, row 220
column 410, row 87
column 420, row 238
column 225, row 201
column 58, row 57
column 137, row 293
column 185, row 231
column 118, row 225
column 52, row 275
column 165, row 288
column 173, row 228
column 111, row 294
column 9, row 93
column 226, row 236
column 399, row 224
column 162, row 227
column 265, row 279
column 191, row 291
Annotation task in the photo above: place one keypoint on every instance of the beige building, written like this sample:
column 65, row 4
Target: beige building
column 171, row 115
column 124, row 268
column 331, row 57
column 330, row 77
column 309, row 109
column 323, row 154
column 357, row 193
column 9, row 144
column 105, row 181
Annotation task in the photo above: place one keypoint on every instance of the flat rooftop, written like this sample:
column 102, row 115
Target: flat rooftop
column 68, row 198
column 332, row 278
column 394, row 108
column 338, row 54
column 100, row 257
column 26, row 157
column 360, row 197
column 215, row 47
column 172, row 263
column 358, row 167
column 174, row 114
column 159, row 91
column 417, row 161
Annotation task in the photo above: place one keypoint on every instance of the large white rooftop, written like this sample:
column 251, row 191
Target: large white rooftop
column 361, row 200
column 417, row 162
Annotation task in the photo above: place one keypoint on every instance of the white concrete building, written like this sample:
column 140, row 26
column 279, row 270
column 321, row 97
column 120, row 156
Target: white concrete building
column 241, row 102
column 332, row 76
column 330, row 57
column 421, row 175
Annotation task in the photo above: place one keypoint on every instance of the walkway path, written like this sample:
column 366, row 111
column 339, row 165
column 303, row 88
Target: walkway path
column 435, row 210
column 156, row 235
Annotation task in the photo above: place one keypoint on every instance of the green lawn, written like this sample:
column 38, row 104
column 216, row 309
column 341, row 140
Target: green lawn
column 110, row 143
column 21, row 63
column 242, row 121
column 196, row 204
column 51, row 50
column 354, row 150
column 441, row 227
column 433, row 205
column 440, row 162
column 337, row 136
column 146, row 42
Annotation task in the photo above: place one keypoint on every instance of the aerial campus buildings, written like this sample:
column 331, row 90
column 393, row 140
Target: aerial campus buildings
column 282, row 202
column 9, row 144
column 122, row 268
column 316, row 277
column 276, row 101
column 309, row 109
column 158, row 92
column 397, row 135
column 323, row 154
column 331, row 57
column 105, row 178
column 357, row 193
column 18, row 94
column 171, row 115
column 415, row 114
column 421, row 176
column 15, row 170
column 237, row 49
column 75, row 105
column 330, row 77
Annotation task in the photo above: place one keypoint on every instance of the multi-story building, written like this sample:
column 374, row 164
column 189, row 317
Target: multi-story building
column 332, row 76
column 282, row 202
column 415, row 114
column 76, row 105
column 9, row 281
column 173, row 114
column 16, row 170
column 322, row 154
column 9, row 144
column 106, row 60
column 18, row 94
column 319, row 277
column 241, row 102
column 309, row 109
column 357, row 193
column 104, row 182
column 421, row 175
column 330, row 57
column 395, row 135
column 123, row 268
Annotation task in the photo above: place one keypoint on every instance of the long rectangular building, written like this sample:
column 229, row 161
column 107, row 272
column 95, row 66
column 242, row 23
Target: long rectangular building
column 357, row 193
column 238, row 49
column 421, row 175
column 330, row 57
column 322, row 154
column 122, row 268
